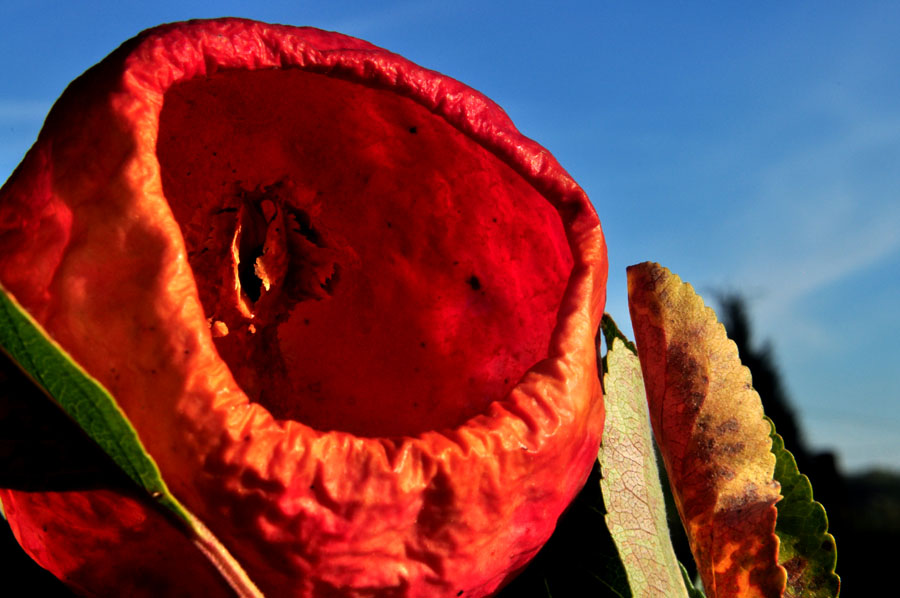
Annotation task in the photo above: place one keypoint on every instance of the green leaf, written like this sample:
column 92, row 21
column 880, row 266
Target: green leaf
column 631, row 487
column 92, row 407
column 691, row 590
column 81, row 397
column 807, row 550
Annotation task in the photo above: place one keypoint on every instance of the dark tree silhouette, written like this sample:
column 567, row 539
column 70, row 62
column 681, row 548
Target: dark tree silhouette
column 766, row 377
column 863, row 509
column 821, row 468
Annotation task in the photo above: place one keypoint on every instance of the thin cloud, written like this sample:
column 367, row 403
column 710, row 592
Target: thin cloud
column 22, row 111
column 825, row 250
column 399, row 14
column 826, row 218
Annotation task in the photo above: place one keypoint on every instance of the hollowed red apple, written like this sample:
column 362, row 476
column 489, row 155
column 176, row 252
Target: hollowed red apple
column 348, row 307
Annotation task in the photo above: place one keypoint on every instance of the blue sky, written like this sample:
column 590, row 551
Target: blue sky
column 749, row 149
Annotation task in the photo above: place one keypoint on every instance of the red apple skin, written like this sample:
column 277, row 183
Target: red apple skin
column 104, row 542
column 406, row 398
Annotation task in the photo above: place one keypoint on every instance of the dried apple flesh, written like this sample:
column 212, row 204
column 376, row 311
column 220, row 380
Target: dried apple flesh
column 364, row 266
column 210, row 187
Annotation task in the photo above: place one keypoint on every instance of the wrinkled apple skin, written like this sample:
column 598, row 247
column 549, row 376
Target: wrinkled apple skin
column 90, row 246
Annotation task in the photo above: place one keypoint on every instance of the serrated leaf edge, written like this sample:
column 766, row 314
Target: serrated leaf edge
column 786, row 460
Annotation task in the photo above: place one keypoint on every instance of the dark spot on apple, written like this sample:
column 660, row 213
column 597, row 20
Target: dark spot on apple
column 474, row 282
column 304, row 226
column 332, row 280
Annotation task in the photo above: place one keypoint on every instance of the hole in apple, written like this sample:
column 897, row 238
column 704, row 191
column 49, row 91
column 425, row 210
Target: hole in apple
column 251, row 238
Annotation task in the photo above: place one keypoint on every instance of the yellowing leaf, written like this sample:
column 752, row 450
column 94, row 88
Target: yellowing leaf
column 710, row 428
column 636, row 510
